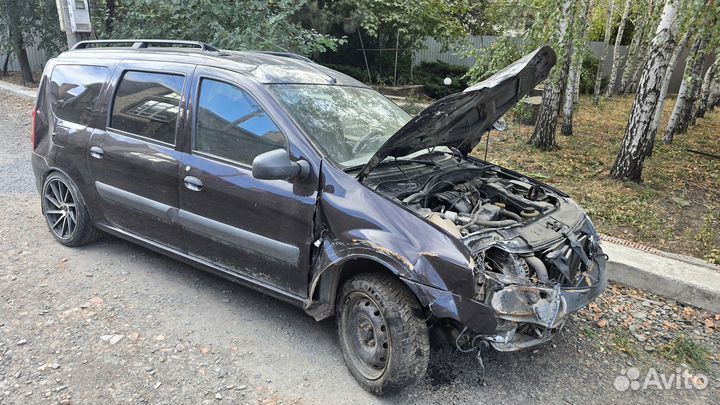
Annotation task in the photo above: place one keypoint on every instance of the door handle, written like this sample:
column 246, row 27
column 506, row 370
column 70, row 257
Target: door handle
column 193, row 183
column 97, row 152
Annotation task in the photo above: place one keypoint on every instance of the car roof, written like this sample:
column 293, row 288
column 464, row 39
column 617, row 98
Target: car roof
column 264, row 67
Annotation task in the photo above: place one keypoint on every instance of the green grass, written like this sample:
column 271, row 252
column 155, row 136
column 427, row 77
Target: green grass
column 623, row 342
column 685, row 350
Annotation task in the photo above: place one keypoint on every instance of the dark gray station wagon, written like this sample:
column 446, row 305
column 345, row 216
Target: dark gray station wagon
column 299, row 181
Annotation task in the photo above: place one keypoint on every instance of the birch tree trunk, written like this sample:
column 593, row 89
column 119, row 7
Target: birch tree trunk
column 680, row 118
column 663, row 91
column 616, row 60
column 633, row 56
column 629, row 162
column 575, row 65
column 543, row 136
column 601, row 63
column 702, row 102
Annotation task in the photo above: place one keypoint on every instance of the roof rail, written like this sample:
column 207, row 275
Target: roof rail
column 145, row 43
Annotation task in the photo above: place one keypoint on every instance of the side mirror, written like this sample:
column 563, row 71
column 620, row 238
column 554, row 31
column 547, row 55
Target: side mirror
column 276, row 165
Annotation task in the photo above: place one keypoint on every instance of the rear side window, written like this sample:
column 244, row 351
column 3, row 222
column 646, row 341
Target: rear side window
column 147, row 104
column 232, row 125
column 74, row 91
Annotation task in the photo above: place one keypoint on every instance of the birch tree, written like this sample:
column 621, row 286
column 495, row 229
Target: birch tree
column 707, row 83
column 576, row 56
column 544, row 134
column 681, row 115
column 663, row 91
column 606, row 47
column 617, row 57
column 629, row 162
column 635, row 49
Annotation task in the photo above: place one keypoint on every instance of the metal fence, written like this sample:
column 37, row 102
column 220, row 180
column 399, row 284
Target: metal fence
column 36, row 56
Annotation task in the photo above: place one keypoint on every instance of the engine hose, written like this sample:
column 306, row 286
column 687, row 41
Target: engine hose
column 495, row 224
column 415, row 196
column 512, row 215
column 539, row 267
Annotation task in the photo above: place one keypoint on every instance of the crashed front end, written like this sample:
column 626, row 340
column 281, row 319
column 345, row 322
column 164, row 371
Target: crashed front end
column 530, row 310
column 535, row 254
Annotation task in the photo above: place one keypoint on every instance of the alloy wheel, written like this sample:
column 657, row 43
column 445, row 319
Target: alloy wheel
column 60, row 209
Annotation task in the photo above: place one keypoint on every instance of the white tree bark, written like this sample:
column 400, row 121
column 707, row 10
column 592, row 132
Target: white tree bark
column 544, row 133
column 616, row 60
column 601, row 63
column 576, row 57
column 702, row 102
column 629, row 162
column 663, row 90
column 680, row 118
column 633, row 55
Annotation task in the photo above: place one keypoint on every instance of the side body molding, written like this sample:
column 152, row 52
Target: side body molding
column 223, row 232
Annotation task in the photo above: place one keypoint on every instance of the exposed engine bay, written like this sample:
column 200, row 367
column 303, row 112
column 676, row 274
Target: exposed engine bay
column 535, row 252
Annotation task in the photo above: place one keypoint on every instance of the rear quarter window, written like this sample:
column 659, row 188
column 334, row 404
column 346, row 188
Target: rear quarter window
column 74, row 91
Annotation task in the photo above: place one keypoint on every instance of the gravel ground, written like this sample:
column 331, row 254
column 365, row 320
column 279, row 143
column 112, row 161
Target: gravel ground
column 114, row 323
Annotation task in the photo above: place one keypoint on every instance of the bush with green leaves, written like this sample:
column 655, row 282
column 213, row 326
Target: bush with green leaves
column 432, row 74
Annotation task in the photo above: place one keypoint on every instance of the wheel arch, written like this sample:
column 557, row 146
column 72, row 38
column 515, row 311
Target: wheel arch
column 329, row 278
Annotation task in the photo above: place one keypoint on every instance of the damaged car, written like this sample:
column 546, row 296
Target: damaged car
column 291, row 178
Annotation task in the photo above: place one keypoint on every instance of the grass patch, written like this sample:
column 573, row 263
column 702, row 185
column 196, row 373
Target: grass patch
column 623, row 342
column 674, row 209
column 684, row 350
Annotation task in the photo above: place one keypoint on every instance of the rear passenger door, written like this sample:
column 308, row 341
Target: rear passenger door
column 133, row 161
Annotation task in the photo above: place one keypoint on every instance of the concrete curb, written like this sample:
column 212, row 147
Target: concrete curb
column 18, row 90
column 682, row 278
column 687, row 280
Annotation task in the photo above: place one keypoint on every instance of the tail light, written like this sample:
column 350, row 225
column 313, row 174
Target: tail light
column 32, row 131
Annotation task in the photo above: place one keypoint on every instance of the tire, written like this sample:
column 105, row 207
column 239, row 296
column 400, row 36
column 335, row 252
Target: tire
column 65, row 212
column 382, row 333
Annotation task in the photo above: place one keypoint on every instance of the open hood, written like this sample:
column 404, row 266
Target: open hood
column 460, row 120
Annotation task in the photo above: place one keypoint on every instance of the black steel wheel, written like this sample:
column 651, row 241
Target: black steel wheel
column 65, row 211
column 382, row 333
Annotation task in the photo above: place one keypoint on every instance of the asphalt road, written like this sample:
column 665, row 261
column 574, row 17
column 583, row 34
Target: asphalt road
column 114, row 323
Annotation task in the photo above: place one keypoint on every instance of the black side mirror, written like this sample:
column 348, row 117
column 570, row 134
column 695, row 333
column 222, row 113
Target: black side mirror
column 276, row 165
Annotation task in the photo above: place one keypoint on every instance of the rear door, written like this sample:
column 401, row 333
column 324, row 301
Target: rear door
column 133, row 161
column 258, row 229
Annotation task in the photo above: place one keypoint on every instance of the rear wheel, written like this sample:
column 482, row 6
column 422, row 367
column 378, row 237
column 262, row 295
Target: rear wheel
column 65, row 211
column 383, row 336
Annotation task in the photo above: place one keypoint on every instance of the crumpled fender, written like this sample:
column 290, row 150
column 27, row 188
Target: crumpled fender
column 358, row 223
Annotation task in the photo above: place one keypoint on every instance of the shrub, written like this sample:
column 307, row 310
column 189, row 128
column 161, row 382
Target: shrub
column 432, row 74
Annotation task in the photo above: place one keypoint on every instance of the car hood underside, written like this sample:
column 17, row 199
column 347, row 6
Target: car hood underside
column 460, row 120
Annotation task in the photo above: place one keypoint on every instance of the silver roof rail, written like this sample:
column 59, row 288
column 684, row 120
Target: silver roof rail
column 145, row 43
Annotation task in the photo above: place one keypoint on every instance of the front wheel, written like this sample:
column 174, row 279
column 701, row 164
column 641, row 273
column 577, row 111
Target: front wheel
column 383, row 336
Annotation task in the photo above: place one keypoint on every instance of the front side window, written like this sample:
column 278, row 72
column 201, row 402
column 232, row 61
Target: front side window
column 230, row 124
column 147, row 104
column 74, row 91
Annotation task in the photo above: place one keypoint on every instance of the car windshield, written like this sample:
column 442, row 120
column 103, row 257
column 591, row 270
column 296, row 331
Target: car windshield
column 349, row 124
